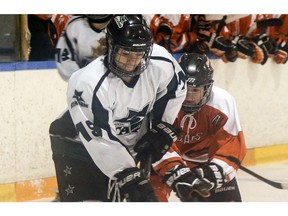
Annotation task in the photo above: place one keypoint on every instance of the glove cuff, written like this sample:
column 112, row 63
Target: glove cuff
column 129, row 177
column 211, row 173
column 175, row 174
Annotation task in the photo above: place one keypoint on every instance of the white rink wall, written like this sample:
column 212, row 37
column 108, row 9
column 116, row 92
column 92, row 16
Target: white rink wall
column 261, row 93
column 32, row 99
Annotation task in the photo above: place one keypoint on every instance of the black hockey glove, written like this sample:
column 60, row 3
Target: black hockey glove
column 187, row 186
column 156, row 142
column 221, row 46
column 134, row 186
column 246, row 49
column 211, row 173
column 200, row 46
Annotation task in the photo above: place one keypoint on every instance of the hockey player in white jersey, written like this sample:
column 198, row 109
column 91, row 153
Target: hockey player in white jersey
column 83, row 40
column 122, row 106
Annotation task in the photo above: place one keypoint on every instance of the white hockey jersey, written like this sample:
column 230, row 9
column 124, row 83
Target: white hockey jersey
column 111, row 116
column 78, row 45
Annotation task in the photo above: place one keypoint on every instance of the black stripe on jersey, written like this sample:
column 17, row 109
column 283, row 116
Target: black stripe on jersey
column 68, row 42
column 230, row 158
column 171, row 88
column 101, row 116
column 160, row 58
column 70, row 47
column 162, row 102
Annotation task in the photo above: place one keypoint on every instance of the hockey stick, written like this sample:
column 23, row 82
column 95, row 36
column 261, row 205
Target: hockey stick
column 278, row 185
column 146, row 166
column 264, row 24
column 221, row 24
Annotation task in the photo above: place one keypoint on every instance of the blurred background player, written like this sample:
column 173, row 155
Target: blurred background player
column 60, row 21
column 83, row 40
column 173, row 31
column 44, row 37
column 111, row 101
column 211, row 142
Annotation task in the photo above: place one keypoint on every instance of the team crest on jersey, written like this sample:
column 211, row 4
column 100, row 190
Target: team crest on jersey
column 132, row 123
column 79, row 100
column 120, row 20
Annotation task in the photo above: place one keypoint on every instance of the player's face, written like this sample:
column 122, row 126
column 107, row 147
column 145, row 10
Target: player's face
column 194, row 95
column 127, row 60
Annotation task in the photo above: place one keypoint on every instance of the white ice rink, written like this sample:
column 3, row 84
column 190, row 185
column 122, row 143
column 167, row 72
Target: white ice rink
column 253, row 189
column 259, row 199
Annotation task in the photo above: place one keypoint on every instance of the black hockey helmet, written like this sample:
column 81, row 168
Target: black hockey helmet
column 99, row 18
column 199, row 72
column 131, row 33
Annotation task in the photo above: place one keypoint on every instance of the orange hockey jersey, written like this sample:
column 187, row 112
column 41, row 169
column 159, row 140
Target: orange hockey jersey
column 173, row 31
column 213, row 134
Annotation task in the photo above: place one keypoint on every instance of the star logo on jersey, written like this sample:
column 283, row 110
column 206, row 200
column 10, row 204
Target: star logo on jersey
column 67, row 171
column 79, row 100
column 132, row 123
column 69, row 190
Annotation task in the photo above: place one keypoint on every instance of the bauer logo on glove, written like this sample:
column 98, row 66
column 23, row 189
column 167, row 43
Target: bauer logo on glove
column 156, row 142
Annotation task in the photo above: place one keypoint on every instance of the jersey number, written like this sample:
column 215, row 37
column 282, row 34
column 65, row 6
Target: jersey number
column 62, row 56
column 95, row 131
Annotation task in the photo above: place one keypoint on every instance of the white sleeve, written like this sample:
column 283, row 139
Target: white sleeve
column 65, row 58
column 101, row 142
column 172, row 89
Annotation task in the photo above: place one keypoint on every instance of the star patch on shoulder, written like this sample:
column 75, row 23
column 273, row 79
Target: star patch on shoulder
column 79, row 100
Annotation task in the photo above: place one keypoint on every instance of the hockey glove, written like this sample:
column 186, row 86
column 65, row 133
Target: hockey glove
column 134, row 186
column 224, row 48
column 187, row 186
column 263, row 47
column 230, row 55
column 211, row 173
column 281, row 55
column 156, row 142
column 200, row 46
column 245, row 48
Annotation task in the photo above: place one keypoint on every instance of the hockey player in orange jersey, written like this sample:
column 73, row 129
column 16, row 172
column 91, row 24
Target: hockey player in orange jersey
column 173, row 31
column 211, row 142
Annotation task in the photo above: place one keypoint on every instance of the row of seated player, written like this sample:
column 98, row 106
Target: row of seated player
column 229, row 37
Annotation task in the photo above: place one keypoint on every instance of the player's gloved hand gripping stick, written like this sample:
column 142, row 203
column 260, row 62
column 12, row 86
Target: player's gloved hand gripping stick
column 156, row 142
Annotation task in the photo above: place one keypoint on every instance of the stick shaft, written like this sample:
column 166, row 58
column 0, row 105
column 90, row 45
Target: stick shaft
column 146, row 166
column 267, row 181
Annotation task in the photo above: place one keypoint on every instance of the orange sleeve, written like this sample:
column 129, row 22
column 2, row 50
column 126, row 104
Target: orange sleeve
column 229, row 148
column 169, row 160
column 60, row 22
